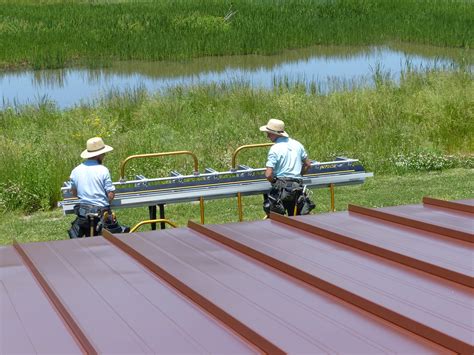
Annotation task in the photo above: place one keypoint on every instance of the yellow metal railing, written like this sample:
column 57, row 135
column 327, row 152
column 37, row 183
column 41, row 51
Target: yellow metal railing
column 150, row 221
column 234, row 159
column 153, row 155
column 234, row 155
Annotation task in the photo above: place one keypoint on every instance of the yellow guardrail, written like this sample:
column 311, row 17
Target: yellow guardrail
column 234, row 159
column 150, row 221
column 234, row 155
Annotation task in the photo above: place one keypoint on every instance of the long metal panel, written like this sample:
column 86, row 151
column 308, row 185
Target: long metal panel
column 214, row 190
column 438, row 255
column 288, row 314
column 454, row 220
column 436, row 309
column 28, row 323
column 121, row 307
column 461, row 205
column 467, row 202
column 453, row 224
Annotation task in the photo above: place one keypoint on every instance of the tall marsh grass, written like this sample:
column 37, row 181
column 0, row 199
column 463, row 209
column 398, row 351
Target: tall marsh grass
column 424, row 123
column 54, row 34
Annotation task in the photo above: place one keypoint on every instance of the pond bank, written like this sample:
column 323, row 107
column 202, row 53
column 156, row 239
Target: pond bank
column 320, row 69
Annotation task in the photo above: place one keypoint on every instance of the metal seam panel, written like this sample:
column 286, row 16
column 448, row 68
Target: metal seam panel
column 453, row 205
column 219, row 313
column 412, row 325
column 61, row 309
column 412, row 223
column 29, row 323
column 122, row 307
column 253, row 293
column 261, row 280
column 373, row 249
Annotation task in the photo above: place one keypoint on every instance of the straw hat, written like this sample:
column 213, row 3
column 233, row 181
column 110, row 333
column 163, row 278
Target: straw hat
column 276, row 127
column 95, row 147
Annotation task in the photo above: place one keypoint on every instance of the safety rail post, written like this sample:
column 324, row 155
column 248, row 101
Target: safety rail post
column 331, row 189
column 234, row 159
column 152, row 155
column 201, row 208
column 153, row 221
column 239, row 206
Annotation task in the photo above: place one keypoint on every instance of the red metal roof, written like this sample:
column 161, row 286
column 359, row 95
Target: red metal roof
column 395, row 279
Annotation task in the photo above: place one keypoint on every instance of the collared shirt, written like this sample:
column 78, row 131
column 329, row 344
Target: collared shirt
column 92, row 182
column 286, row 157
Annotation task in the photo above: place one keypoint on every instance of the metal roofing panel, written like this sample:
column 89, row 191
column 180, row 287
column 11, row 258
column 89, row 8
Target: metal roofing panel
column 453, row 224
column 120, row 307
column 460, row 205
column 28, row 322
column 290, row 315
column 300, row 284
column 434, row 308
column 467, row 202
column 439, row 255
column 444, row 218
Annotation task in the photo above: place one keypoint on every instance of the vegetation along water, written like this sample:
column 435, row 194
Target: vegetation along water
column 415, row 135
column 52, row 34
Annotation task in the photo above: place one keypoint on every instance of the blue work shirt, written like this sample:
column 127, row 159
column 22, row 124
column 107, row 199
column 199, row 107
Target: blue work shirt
column 286, row 157
column 92, row 182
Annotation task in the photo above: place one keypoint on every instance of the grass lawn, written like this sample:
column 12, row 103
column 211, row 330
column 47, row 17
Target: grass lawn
column 381, row 190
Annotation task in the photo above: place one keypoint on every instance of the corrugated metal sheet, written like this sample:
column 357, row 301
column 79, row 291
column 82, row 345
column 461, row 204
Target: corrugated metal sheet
column 395, row 279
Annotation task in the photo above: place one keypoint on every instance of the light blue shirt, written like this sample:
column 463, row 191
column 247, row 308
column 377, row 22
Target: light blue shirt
column 286, row 157
column 92, row 182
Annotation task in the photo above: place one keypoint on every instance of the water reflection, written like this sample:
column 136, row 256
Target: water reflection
column 323, row 69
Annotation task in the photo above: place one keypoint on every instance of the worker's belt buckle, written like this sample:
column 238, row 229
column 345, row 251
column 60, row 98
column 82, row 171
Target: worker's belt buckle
column 299, row 181
column 84, row 210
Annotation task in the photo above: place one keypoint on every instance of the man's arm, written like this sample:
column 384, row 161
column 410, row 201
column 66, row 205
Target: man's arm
column 108, row 186
column 269, row 174
column 306, row 166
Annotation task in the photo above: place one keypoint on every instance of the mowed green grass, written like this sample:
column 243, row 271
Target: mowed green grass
column 376, row 192
column 55, row 34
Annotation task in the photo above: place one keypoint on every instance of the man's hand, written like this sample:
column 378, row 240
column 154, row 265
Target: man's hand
column 111, row 195
column 306, row 166
column 269, row 174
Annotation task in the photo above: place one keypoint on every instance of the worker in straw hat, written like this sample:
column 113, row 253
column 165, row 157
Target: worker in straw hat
column 287, row 161
column 91, row 183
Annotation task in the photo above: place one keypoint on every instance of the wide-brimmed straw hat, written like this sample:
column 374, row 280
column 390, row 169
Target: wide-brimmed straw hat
column 276, row 127
column 95, row 147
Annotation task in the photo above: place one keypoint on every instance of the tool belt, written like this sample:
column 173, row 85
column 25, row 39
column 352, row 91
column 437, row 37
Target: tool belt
column 92, row 219
column 287, row 190
column 85, row 210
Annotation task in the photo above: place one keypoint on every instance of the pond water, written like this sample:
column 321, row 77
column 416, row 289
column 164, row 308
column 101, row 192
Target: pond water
column 323, row 69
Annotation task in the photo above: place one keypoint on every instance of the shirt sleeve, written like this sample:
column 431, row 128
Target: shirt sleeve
column 304, row 154
column 271, row 159
column 109, row 187
column 72, row 179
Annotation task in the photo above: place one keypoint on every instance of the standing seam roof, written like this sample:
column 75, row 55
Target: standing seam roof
column 396, row 279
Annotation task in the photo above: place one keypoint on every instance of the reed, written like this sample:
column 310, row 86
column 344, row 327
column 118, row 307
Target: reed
column 424, row 123
column 54, row 34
